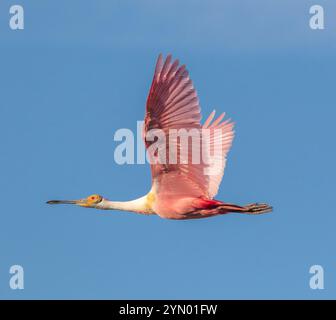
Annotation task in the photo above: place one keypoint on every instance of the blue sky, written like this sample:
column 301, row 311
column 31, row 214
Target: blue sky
column 80, row 71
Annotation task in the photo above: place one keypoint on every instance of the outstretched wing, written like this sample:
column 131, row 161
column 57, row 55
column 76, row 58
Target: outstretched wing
column 172, row 103
column 220, row 139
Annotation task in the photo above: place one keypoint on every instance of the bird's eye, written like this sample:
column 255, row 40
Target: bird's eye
column 94, row 198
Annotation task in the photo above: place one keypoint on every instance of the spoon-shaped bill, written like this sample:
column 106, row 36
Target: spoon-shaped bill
column 63, row 201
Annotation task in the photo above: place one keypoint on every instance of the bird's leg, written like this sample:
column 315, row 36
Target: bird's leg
column 253, row 208
column 223, row 208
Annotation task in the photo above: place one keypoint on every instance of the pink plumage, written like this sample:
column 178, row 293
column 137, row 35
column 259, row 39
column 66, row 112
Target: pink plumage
column 185, row 188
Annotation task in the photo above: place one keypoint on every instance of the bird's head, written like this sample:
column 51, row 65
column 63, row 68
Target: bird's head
column 92, row 201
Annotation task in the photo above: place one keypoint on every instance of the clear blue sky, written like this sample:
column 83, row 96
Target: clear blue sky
column 81, row 70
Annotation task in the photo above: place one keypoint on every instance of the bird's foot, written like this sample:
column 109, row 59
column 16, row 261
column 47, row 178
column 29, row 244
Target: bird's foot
column 257, row 208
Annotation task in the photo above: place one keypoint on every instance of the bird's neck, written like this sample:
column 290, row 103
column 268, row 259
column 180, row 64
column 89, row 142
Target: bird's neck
column 140, row 205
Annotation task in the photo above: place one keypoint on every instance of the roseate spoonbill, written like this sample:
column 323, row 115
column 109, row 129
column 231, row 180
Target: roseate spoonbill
column 179, row 190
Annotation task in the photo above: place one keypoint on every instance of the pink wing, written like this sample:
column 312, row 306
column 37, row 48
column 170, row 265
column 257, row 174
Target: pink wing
column 220, row 141
column 172, row 103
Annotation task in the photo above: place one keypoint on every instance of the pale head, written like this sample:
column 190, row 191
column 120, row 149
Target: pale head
column 91, row 201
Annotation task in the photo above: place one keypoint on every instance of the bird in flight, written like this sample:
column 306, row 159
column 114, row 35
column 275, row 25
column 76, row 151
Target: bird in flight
column 185, row 189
